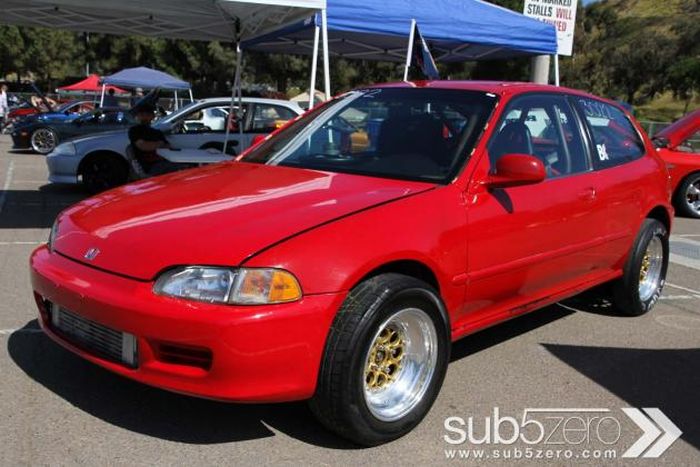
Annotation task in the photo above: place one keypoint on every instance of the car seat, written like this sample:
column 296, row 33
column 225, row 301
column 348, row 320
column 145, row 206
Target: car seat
column 415, row 134
column 514, row 138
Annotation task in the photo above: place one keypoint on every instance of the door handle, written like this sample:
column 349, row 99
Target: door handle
column 589, row 194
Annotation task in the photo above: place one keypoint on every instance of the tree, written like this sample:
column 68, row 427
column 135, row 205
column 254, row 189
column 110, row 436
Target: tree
column 684, row 79
column 11, row 47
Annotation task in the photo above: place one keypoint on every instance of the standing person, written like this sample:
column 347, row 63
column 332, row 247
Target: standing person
column 146, row 140
column 136, row 96
column 110, row 99
column 4, row 107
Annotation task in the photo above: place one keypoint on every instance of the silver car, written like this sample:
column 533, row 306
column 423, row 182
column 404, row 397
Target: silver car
column 99, row 161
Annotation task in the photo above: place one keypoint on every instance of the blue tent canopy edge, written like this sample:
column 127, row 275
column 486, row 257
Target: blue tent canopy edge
column 457, row 30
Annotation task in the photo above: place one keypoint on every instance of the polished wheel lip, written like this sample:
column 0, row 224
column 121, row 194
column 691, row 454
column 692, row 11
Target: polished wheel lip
column 651, row 269
column 43, row 140
column 692, row 196
column 410, row 383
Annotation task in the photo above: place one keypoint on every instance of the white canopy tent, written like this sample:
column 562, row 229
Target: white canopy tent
column 223, row 20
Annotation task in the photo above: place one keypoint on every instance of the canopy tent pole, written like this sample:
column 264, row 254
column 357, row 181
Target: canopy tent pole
column 539, row 69
column 314, row 69
column 239, row 79
column 102, row 99
column 234, row 93
column 177, row 104
column 191, row 96
column 409, row 53
column 326, row 63
column 556, row 70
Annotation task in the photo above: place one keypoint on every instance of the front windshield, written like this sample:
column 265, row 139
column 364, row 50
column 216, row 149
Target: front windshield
column 180, row 112
column 404, row 133
column 65, row 106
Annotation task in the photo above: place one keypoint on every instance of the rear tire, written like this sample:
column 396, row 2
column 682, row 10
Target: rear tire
column 644, row 276
column 385, row 360
column 100, row 173
column 687, row 197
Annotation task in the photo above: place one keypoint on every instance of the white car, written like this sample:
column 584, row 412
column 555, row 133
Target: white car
column 99, row 161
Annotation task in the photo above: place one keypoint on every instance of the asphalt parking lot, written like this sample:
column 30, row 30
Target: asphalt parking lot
column 58, row 409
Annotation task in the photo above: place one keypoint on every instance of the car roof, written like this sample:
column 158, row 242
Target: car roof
column 249, row 100
column 494, row 87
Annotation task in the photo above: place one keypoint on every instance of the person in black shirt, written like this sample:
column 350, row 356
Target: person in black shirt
column 146, row 140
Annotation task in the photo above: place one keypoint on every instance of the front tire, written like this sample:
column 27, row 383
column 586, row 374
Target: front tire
column 43, row 140
column 644, row 275
column 687, row 199
column 385, row 360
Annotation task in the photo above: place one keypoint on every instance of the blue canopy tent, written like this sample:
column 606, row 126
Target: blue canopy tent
column 147, row 78
column 457, row 30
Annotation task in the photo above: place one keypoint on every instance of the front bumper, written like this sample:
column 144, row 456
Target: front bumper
column 259, row 353
column 21, row 139
column 63, row 168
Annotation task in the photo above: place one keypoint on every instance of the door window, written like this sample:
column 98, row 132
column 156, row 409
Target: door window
column 205, row 120
column 268, row 117
column 113, row 118
column 543, row 126
column 615, row 139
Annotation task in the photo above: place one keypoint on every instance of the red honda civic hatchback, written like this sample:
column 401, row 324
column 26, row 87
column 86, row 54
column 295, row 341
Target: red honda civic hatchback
column 338, row 259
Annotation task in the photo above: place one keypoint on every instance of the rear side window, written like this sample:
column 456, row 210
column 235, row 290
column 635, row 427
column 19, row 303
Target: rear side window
column 615, row 140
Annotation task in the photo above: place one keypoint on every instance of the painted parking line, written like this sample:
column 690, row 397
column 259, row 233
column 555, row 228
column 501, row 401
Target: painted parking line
column 680, row 297
column 6, row 185
column 7, row 332
column 696, row 293
column 20, row 243
column 685, row 252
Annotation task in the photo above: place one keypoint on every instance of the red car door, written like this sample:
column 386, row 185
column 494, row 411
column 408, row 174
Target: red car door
column 621, row 170
column 530, row 242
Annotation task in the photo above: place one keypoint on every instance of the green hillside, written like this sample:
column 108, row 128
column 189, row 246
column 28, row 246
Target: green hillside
column 649, row 8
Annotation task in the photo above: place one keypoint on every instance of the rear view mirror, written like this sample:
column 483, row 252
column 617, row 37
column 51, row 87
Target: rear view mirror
column 517, row 170
column 660, row 142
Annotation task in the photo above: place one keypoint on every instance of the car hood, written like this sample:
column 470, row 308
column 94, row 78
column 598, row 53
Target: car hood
column 681, row 129
column 217, row 215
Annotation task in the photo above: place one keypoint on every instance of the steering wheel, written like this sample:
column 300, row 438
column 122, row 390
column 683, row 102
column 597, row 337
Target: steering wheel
column 350, row 127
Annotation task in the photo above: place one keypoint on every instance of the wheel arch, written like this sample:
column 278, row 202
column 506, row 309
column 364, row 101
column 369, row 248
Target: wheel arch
column 100, row 153
column 683, row 180
column 408, row 267
column 417, row 270
column 661, row 214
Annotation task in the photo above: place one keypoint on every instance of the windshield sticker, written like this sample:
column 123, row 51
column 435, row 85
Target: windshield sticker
column 603, row 152
column 595, row 109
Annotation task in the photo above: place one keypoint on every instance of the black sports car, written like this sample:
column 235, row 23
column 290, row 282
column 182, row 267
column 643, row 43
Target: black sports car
column 44, row 136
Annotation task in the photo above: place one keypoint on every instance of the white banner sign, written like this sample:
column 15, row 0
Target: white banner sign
column 559, row 13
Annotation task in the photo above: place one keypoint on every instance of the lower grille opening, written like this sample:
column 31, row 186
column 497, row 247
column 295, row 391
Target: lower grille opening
column 92, row 337
column 184, row 355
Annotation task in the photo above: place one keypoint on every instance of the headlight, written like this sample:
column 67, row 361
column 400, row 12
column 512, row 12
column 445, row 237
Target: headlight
column 52, row 235
column 65, row 149
column 232, row 286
